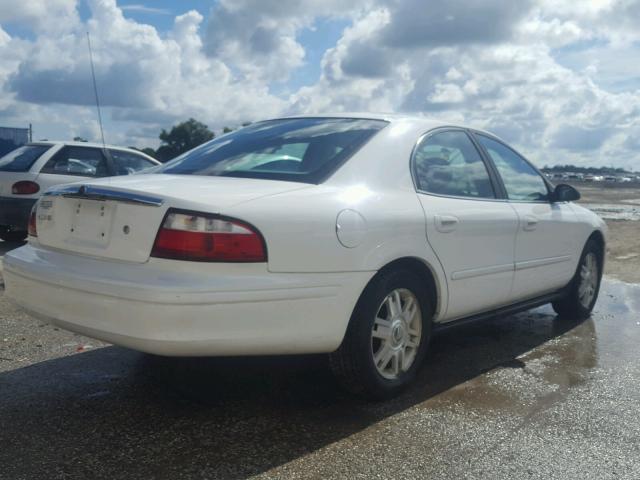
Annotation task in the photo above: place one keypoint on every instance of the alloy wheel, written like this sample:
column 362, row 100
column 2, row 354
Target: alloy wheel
column 396, row 333
column 588, row 279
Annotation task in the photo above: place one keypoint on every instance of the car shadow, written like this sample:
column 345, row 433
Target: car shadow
column 116, row 413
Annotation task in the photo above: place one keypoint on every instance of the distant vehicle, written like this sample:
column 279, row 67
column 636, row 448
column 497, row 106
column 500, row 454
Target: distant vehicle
column 26, row 172
column 610, row 178
column 354, row 235
column 598, row 178
column 625, row 179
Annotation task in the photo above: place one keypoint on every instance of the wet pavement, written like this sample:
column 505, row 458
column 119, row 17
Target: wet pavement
column 524, row 396
column 624, row 210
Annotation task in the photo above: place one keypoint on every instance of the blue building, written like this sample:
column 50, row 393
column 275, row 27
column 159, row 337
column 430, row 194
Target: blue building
column 11, row 138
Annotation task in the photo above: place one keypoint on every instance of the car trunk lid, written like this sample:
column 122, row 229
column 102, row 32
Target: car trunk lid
column 118, row 218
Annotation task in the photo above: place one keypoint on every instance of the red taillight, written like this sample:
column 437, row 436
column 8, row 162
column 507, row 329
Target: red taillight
column 185, row 236
column 33, row 230
column 25, row 187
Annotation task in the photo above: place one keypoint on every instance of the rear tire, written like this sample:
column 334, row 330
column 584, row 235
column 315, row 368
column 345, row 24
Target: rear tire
column 387, row 336
column 13, row 236
column 584, row 288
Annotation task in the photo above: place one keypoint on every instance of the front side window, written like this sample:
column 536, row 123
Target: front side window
column 127, row 163
column 80, row 161
column 22, row 158
column 448, row 163
column 520, row 179
column 298, row 149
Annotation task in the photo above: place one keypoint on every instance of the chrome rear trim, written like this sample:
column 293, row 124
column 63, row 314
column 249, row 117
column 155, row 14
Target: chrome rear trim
column 97, row 193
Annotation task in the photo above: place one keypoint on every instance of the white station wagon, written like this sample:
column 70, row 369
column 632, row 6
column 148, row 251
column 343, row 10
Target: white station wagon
column 26, row 172
column 355, row 235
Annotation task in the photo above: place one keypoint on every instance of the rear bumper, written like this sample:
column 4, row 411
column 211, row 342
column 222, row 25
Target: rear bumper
column 14, row 213
column 203, row 310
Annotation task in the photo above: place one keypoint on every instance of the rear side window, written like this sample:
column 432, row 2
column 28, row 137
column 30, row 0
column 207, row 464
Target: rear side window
column 127, row 163
column 520, row 179
column 22, row 158
column 300, row 149
column 80, row 161
column 448, row 163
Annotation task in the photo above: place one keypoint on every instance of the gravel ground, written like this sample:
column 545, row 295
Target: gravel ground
column 525, row 396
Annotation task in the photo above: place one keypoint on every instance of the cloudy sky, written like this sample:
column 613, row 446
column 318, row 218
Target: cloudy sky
column 558, row 79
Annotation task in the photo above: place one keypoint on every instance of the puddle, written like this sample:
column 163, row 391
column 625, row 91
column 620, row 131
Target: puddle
column 615, row 211
column 627, row 256
column 567, row 360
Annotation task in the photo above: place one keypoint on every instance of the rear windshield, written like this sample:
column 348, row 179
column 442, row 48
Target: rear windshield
column 21, row 159
column 300, row 150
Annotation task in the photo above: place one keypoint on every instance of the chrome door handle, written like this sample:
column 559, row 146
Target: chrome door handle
column 530, row 223
column 446, row 223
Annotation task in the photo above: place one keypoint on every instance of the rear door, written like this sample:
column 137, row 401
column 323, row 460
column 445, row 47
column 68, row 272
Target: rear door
column 470, row 228
column 545, row 250
column 73, row 164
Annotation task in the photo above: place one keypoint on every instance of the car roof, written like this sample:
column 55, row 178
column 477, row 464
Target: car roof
column 52, row 143
column 81, row 144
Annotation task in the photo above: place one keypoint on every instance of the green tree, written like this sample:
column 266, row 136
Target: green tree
column 227, row 130
column 182, row 138
column 79, row 139
column 149, row 151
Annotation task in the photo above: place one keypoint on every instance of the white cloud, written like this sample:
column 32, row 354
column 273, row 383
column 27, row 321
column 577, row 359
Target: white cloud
column 344, row 86
column 143, row 77
column 44, row 16
column 452, row 22
column 447, row 93
column 137, row 7
column 259, row 38
column 509, row 83
column 556, row 78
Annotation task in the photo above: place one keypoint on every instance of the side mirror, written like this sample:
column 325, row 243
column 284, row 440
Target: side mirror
column 565, row 193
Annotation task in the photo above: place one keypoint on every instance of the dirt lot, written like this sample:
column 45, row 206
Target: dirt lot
column 524, row 396
column 623, row 260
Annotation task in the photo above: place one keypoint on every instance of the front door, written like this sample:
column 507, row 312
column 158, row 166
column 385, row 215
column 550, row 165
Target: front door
column 471, row 231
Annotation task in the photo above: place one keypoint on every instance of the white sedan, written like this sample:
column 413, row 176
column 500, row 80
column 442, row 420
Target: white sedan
column 355, row 235
column 29, row 170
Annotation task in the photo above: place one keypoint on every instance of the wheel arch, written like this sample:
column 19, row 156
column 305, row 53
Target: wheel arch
column 598, row 237
column 423, row 270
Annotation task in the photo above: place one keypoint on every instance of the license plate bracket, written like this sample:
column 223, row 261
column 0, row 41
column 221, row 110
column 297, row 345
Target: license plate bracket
column 91, row 222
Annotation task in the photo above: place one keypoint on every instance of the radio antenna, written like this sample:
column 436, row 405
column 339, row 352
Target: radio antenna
column 95, row 90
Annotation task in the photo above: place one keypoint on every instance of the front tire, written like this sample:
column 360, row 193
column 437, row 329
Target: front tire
column 387, row 336
column 584, row 288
